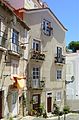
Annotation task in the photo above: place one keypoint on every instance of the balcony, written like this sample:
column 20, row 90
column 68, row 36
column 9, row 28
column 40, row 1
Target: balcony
column 36, row 84
column 14, row 49
column 37, row 55
column 60, row 60
column 3, row 40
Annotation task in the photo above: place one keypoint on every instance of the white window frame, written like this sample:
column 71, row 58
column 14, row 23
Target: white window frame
column 36, row 74
column 58, row 96
column 60, row 74
column 14, row 66
column 45, row 28
column 36, row 42
column 15, row 41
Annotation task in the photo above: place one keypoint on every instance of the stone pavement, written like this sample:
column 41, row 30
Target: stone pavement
column 50, row 117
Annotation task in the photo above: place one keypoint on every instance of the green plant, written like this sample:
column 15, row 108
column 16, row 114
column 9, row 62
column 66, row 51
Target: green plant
column 66, row 109
column 11, row 118
column 56, row 109
column 45, row 114
column 24, row 99
column 60, row 113
column 32, row 101
column 41, row 109
column 33, row 112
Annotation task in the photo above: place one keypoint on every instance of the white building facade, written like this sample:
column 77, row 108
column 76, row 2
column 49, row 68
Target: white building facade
column 72, row 89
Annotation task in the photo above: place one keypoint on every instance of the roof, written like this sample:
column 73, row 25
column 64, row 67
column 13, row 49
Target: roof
column 12, row 10
column 32, row 10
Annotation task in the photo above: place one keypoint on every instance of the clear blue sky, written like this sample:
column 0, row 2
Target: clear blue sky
column 67, row 11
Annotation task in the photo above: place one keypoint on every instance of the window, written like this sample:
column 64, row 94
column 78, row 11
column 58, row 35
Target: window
column 59, row 74
column 58, row 96
column 15, row 36
column 36, row 45
column 14, row 67
column 14, row 97
column 14, row 45
column 35, row 99
column 36, row 73
column 36, row 77
column 59, row 52
column 46, row 27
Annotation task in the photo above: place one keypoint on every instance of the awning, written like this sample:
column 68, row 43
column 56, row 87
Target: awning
column 19, row 81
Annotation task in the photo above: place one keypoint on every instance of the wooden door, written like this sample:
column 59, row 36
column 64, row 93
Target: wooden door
column 0, row 104
column 49, row 101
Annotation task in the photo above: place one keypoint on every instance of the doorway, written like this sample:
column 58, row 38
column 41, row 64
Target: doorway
column 36, row 99
column 49, row 104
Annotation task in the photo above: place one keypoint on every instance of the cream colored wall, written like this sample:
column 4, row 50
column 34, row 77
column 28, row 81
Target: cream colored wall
column 6, row 18
column 49, row 45
column 57, row 39
column 72, row 89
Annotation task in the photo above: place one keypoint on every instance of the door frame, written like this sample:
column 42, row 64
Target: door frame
column 49, row 106
column 49, row 94
column 38, row 97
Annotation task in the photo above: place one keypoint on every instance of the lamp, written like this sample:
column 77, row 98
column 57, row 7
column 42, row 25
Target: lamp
column 72, row 80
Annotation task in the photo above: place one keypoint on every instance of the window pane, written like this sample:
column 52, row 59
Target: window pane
column 59, row 74
column 36, row 73
column 15, row 36
column 58, row 96
column 46, row 27
column 33, row 45
column 37, row 46
column 59, row 52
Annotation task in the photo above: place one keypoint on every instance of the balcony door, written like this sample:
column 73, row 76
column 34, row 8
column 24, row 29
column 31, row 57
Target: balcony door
column 59, row 54
column 36, row 45
column 36, row 77
column 15, row 36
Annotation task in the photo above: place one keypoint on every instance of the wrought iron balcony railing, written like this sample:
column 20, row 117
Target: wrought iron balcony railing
column 60, row 59
column 35, row 84
column 37, row 55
